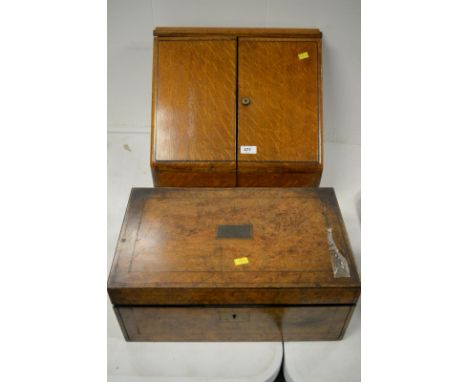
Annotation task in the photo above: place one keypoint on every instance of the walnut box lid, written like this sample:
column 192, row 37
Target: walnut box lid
column 196, row 246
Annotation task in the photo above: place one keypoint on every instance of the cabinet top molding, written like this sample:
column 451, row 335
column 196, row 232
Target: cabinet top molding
column 250, row 32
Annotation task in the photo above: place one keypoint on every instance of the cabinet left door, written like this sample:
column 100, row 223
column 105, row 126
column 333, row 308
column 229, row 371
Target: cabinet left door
column 194, row 112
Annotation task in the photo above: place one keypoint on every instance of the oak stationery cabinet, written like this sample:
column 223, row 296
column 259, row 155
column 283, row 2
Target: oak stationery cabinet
column 233, row 264
column 237, row 107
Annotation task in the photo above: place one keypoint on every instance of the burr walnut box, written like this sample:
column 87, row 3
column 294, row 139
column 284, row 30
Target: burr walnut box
column 237, row 107
column 233, row 264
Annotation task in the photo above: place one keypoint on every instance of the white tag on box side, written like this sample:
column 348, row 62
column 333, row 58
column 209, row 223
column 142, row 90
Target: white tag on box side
column 248, row 150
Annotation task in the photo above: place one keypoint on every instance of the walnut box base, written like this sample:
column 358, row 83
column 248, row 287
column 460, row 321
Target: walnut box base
column 233, row 323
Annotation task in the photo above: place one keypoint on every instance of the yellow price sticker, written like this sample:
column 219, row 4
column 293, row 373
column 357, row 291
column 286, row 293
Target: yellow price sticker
column 241, row 261
column 303, row 55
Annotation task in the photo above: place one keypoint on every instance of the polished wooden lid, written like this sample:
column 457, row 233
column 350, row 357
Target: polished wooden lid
column 192, row 246
column 237, row 32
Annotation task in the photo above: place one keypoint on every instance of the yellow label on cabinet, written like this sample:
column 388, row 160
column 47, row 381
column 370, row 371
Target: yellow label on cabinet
column 303, row 55
column 241, row 261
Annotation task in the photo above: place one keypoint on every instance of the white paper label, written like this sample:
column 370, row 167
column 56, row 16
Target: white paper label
column 248, row 149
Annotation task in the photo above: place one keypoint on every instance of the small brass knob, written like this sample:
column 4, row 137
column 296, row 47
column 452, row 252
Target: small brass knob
column 245, row 101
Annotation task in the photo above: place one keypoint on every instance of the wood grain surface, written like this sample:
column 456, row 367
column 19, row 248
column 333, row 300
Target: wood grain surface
column 175, row 275
column 168, row 251
column 231, row 323
column 194, row 122
column 252, row 175
column 282, row 117
column 194, row 174
column 215, row 31
column 199, row 123
column 195, row 102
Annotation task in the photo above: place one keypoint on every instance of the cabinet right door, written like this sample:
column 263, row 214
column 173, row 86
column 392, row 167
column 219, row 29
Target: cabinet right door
column 279, row 98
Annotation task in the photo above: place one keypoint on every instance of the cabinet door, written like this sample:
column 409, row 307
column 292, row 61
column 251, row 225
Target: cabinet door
column 278, row 102
column 195, row 101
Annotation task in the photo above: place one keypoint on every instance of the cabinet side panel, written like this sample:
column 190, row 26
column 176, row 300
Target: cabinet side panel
column 153, row 104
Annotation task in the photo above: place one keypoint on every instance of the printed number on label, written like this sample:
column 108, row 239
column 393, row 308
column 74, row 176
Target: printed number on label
column 248, row 150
